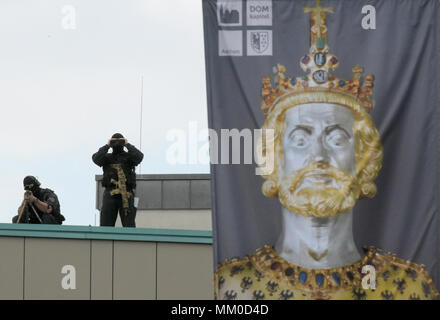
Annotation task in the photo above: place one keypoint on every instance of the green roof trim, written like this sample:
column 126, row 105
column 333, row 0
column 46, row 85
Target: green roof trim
column 104, row 233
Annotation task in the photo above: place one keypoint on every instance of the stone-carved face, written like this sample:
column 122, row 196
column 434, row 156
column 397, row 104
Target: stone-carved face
column 319, row 160
column 319, row 132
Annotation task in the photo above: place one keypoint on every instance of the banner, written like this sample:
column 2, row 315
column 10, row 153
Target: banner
column 324, row 148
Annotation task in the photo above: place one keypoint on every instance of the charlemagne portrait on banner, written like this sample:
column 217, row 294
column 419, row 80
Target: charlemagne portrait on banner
column 327, row 154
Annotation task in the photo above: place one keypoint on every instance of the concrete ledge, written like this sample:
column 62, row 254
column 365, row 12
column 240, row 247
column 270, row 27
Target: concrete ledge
column 105, row 233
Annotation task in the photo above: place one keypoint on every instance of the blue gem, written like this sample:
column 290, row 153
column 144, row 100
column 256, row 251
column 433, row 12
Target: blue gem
column 302, row 277
column 350, row 275
column 319, row 278
column 337, row 278
column 341, row 83
column 293, row 82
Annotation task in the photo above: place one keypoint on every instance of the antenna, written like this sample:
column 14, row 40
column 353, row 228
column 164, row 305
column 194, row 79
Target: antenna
column 140, row 126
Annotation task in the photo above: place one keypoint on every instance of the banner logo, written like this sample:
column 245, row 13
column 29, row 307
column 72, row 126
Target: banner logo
column 230, row 43
column 229, row 13
column 259, row 42
column 259, row 12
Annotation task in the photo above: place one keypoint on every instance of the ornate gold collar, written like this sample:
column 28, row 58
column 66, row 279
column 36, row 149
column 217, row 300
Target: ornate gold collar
column 270, row 264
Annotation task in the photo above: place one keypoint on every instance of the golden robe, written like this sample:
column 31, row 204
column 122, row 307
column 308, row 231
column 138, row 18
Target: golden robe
column 266, row 275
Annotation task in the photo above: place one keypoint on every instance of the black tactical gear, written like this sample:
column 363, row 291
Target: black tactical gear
column 111, row 204
column 49, row 197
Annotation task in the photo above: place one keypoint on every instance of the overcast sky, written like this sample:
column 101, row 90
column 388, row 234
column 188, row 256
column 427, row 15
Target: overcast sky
column 64, row 92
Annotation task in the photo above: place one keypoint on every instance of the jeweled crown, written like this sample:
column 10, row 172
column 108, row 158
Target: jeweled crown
column 317, row 63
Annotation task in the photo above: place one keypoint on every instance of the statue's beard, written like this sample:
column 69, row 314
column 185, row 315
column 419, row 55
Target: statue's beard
column 319, row 190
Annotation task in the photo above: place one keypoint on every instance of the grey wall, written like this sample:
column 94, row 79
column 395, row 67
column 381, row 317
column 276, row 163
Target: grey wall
column 168, row 191
column 105, row 269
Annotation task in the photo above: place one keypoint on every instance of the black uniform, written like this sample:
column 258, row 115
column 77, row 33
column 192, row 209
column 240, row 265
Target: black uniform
column 112, row 204
column 49, row 197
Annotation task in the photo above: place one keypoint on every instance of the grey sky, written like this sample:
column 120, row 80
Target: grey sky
column 65, row 92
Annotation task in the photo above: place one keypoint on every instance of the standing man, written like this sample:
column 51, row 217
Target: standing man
column 39, row 206
column 119, row 180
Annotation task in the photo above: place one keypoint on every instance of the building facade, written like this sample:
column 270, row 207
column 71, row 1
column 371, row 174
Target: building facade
column 168, row 256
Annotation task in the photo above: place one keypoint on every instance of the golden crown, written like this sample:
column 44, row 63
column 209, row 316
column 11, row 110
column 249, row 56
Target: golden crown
column 317, row 63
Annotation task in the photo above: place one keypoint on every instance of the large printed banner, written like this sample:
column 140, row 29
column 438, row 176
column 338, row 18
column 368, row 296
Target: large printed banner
column 325, row 148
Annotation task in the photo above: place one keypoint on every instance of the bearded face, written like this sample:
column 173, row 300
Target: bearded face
column 319, row 161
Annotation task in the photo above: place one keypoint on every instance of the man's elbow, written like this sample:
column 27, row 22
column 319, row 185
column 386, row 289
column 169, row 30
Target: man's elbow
column 139, row 159
column 97, row 161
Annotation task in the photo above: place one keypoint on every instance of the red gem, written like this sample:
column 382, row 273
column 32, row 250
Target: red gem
column 275, row 265
column 305, row 59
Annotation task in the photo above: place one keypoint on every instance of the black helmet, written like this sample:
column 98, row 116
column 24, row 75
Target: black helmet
column 31, row 180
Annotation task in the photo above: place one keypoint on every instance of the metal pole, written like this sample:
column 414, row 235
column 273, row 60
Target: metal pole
column 140, row 126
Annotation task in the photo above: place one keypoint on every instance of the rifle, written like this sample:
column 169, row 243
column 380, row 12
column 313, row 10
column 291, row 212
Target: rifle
column 121, row 188
column 25, row 208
